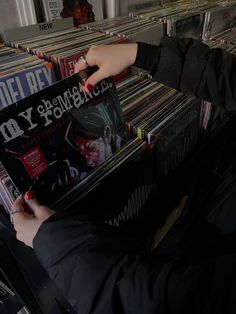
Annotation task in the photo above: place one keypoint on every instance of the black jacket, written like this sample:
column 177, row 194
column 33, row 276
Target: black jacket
column 105, row 271
column 191, row 67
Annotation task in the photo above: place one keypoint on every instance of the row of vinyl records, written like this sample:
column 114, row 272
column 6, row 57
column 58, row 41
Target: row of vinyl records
column 51, row 9
column 198, row 20
column 68, row 141
column 62, row 143
column 26, row 12
column 186, row 19
column 111, row 8
column 63, row 45
column 22, row 74
column 96, row 143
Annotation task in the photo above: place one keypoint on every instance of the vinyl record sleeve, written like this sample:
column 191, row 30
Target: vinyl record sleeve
column 53, row 139
column 186, row 25
column 218, row 20
column 25, row 82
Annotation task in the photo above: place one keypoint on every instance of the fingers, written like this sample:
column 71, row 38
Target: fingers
column 110, row 59
column 92, row 59
column 86, row 60
column 26, row 227
column 18, row 205
column 27, row 204
column 80, row 66
column 25, row 223
column 93, row 79
column 33, row 203
column 20, row 219
column 40, row 211
column 18, row 214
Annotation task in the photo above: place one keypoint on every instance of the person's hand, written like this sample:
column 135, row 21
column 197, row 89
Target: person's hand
column 25, row 224
column 111, row 60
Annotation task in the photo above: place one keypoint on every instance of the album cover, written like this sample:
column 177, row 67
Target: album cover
column 187, row 25
column 51, row 9
column 218, row 20
column 23, row 83
column 53, row 139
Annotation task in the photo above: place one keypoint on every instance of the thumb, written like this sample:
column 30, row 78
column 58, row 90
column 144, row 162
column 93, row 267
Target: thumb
column 93, row 79
column 79, row 66
column 39, row 211
column 34, row 205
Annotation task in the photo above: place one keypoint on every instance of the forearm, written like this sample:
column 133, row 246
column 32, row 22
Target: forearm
column 192, row 67
column 178, row 63
column 146, row 56
column 61, row 236
column 83, row 260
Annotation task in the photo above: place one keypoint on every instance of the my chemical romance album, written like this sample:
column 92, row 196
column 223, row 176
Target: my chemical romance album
column 52, row 140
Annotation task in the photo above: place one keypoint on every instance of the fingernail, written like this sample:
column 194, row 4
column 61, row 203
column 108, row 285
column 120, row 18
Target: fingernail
column 88, row 87
column 29, row 195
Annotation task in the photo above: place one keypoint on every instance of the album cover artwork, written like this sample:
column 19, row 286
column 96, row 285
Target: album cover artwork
column 16, row 86
column 53, row 139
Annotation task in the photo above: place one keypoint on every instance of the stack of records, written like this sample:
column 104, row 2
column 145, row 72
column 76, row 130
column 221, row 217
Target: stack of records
column 183, row 20
column 124, row 7
column 186, row 24
column 227, row 37
column 189, row 5
column 64, row 48
column 134, row 29
column 162, row 116
column 225, row 40
column 22, row 75
column 174, row 8
column 170, row 9
column 219, row 19
column 91, row 128
column 191, row 21
column 149, row 106
column 168, row 3
column 157, row 13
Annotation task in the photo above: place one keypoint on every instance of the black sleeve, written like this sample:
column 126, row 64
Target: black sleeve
column 85, row 260
column 100, row 273
column 156, row 285
column 192, row 67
